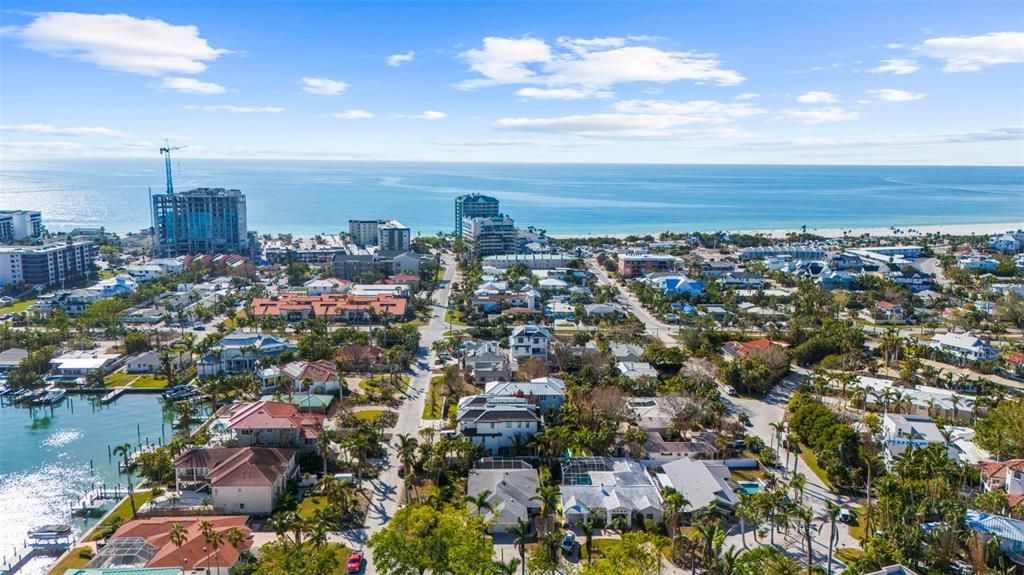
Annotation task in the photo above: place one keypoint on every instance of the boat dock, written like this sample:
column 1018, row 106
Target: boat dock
column 50, row 544
column 113, row 395
column 92, row 502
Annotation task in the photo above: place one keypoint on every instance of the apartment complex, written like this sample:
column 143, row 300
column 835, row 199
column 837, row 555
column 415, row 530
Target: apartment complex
column 474, row 206
column 17, row 225
column 388, row 235
column 638, row 265
column 200, row 221
column 489, row 236
column 48, row 265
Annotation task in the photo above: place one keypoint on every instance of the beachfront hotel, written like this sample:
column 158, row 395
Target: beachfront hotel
column 199, row 221
column 474, row 206
column 17, row 225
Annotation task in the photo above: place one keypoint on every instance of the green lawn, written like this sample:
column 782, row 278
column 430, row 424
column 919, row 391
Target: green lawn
column 123, row 510
column 143, row 380
column 17, row 306
column 848, row 554
column 453, row 317
column 71, row 561
column 374, row 383
column 433, row 397
column 369, row 414
column 310, row 505
column 107, row 274
column 812, row 461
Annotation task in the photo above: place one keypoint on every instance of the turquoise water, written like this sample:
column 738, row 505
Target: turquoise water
column 307, row 197
column 45, row 459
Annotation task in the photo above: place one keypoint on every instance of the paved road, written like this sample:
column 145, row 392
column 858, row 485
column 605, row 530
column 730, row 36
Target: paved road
column 762, row 413
column 657, row 328
column 386, row 488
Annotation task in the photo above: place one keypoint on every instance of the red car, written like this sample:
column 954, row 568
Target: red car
column 355, row 562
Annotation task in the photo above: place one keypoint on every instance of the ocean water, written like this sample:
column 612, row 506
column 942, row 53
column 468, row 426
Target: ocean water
column 308, row 197
column 45, row 460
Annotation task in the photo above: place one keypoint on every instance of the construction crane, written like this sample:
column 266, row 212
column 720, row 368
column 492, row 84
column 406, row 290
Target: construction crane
column 166, row 152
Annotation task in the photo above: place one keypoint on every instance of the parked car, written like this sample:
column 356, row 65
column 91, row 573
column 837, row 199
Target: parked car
column 401, row 470
column 568, row 543
column 730, row 390
column 844, row 515
column 355, row 562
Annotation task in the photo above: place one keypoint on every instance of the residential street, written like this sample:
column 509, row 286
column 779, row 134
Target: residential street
column 386, row 488
column 657, row 328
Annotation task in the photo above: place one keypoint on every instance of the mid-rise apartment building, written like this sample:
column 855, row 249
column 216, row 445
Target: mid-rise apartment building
column 364, row 232
column 392, row 236
column 200, row 221
column 17, row 225
column 48, row 265
column 474, row 206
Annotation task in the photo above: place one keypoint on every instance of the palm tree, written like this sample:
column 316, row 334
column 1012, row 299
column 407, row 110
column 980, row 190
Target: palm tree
column 806, row 516
column 506, row 568
column 481, row 501
column 587, row 527
column 548, row 497
column 833, row 537
column 407, row 446
column 798, row 483
column 123, row 451
column 178, row 536
column 675, row 502
column 521, row 530
column 779, row 427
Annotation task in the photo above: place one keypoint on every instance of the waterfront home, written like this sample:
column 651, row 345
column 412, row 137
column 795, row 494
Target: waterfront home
column 702, row 483
column 485, row 361
column 345, row 308
column 151, row 362
column 1008, row 243
column 238, row 353
column 306, row 402
column 511, row 486
column 494, row 423
column 147, row 543
column 528, row 341
column 10, row 358
column 320, row 376
column 548, row 393
column 272, row 424
column 606, row 489
column 245, row 480
column 965, row 346
column 80, row 363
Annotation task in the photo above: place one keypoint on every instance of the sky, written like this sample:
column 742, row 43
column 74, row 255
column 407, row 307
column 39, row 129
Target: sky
column 827, row 82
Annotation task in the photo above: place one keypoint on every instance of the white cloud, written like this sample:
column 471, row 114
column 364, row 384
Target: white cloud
column 590, row 63
column 894, row 46
column 563, row 93
column 192, row 86
column 396, row 60
column 616, row 125
column 690, row 112
column 353, row 115
column 120, row 42
column 974, row 53
column 323, row 86
column 51, row 130
column 41, row 146
column 425, row 115
column 815, row 97
column 893, row 95
column 995, row 135
column 748, row 96
column 237, row 109
column 898, row 66
column 825, row 115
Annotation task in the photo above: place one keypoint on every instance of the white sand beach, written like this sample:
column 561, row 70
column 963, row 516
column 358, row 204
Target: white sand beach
column 904, row 232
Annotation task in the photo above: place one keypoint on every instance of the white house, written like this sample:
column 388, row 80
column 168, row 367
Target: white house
column 635, row 369
column 511, row 485
column 79, row 363
column 238, row 352
column 486, row 361
column 976, row 262
column 1008, row 243
column 964, row 346
column 701, row 482
column 150, row 362
column 318, row 287
column 1007, row 476
column 493, row 422
column 321, row 376
column 902, row 432
column 529, row 341
column 749, row 280
column 547, row 392
column 607, row 489
column 246, row 480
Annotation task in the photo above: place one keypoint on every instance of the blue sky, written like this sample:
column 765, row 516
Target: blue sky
column 664, row 82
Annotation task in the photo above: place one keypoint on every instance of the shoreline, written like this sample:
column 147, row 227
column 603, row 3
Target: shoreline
column 877, row 231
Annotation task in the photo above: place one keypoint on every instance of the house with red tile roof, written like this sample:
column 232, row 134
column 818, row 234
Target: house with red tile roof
column 334, row 307
column 1005, row 476
column 741, row 349
column 884, row 312
column 411, row 280
column 273, row 424
column 240, row 479
column 147, row 543
column 319, row 376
